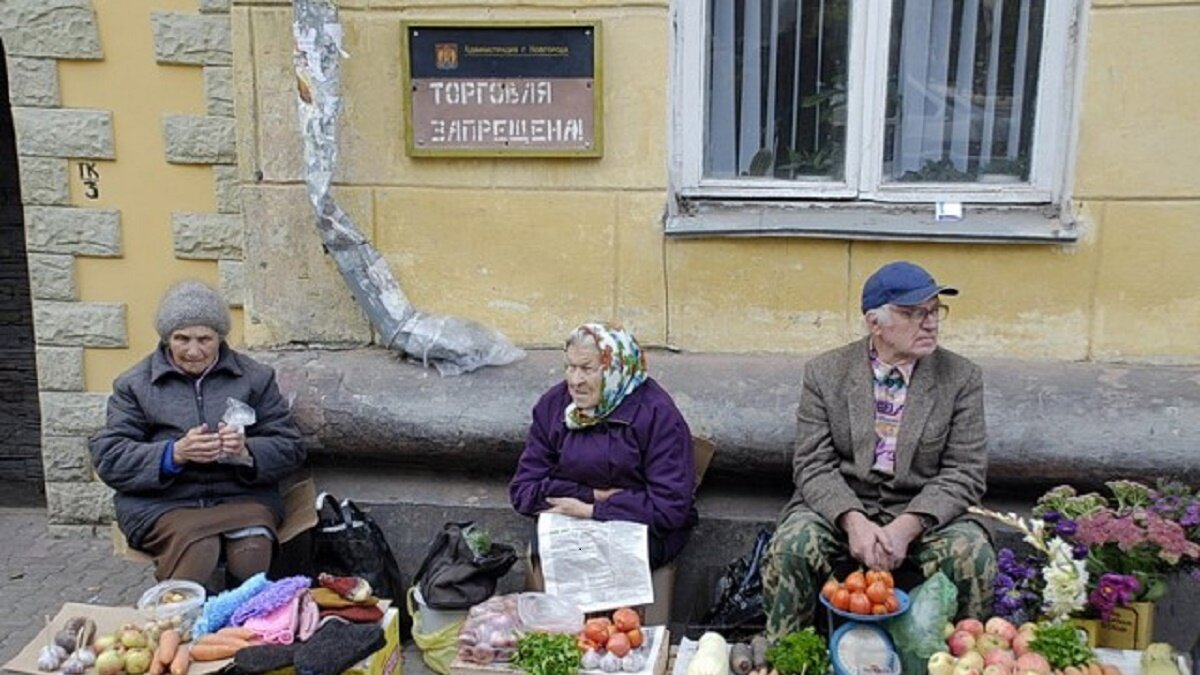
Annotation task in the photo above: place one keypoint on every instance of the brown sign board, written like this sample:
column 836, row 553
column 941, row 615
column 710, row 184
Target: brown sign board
column 502, row 90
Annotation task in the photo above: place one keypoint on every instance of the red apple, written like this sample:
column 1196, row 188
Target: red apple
column 970, row 661
column 1000, row 657
column 941, row 663
column 972, row 626
column 1033, row 662
column 987, row 642
column 1000, row 627
column 960, row 642
column 1020, row 644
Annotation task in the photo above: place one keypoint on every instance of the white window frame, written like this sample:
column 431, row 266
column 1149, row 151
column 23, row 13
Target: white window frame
column 870, row 25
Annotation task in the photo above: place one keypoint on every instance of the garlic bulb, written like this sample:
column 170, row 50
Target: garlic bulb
column 49, row 658
column 86, row 656
column 73, row 666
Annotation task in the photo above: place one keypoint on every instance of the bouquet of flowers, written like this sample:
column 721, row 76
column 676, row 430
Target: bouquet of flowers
column 1130, row 542
column 1052, row 582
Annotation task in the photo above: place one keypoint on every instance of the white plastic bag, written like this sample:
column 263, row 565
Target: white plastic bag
column 549, row 613
column 238, row 415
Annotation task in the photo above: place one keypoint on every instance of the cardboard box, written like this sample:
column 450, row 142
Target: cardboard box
column 1130, row 627
column 386, row 661
column 658, row 637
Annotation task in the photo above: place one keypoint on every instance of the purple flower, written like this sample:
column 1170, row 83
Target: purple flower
column 1051, row 516
column 1065, row 528
column 1191, row 515
column 1112, row 591
column 1079, row 551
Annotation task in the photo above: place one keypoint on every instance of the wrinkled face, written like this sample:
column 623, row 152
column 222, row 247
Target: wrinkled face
column 194, row 348
column 584, row 376
column 911, row 333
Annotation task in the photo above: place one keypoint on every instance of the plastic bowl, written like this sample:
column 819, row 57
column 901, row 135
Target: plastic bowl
column 901, row 597
column 173, row 603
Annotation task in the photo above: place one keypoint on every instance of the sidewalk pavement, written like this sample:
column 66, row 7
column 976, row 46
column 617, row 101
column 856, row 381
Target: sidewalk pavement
column 38, row 573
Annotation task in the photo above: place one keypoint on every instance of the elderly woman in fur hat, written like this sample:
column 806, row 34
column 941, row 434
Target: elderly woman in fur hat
column 191, row 489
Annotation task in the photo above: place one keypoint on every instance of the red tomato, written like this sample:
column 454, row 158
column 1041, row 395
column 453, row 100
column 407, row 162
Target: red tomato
column 618, row 644
column 892, row 604
column 829, row 589
column 877, row 592
column 596, row 630
column 635, row 638
column 841, row 599
column 856, row 582
column 625, row 619
column 859, row 604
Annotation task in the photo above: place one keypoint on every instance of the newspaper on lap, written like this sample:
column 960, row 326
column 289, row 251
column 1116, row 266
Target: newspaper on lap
column 598, row 565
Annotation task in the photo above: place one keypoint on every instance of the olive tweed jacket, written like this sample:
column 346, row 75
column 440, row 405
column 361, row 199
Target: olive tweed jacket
column 941, row 454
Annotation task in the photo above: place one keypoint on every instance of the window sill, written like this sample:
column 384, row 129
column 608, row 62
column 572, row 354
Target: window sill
column 874, row 221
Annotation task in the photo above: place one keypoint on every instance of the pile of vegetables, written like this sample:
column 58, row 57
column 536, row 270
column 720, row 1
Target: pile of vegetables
column 491, row 630
column 802, row 652
column 868, row 593
column 547, row 654
column 613, row 644
column 999, row 648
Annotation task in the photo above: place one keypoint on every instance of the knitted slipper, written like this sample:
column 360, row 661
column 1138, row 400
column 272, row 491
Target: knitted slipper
column 264, row 658
column 275, row 596
column 218, row 608
column 336, row 646
column 356, row 614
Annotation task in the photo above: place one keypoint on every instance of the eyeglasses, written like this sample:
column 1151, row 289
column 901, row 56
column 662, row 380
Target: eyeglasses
column 919, row 314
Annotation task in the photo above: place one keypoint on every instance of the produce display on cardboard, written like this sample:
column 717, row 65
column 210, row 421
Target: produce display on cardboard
column 178, row 629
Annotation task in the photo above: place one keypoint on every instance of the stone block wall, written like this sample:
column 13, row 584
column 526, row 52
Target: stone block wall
column 36, row 33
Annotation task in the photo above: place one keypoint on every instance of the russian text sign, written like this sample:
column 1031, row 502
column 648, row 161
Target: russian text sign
column 502, row 89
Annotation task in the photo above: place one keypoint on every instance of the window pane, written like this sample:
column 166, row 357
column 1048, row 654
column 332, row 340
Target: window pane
column 776, row 103
column 962, row 83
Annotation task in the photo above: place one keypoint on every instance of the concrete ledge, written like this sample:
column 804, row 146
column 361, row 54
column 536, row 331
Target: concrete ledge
column 1048, row 422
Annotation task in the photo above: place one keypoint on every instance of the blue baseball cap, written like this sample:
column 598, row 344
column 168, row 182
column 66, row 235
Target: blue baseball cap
column 901, row 283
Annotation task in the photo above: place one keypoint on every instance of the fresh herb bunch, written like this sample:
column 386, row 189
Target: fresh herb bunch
column 802, row 652
column 1061, row 644
column 547, row 654
column 478, row 540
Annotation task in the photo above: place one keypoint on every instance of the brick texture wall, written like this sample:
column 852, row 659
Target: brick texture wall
column 20, row 422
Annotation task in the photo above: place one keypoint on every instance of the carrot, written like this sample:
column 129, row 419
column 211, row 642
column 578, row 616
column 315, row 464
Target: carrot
column 168, row 644
column 182, row 660
column 218, row 640
column 238, row 632
column 210, row 652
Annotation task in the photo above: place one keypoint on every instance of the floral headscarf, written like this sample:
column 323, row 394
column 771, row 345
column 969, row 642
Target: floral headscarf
column 624, row 369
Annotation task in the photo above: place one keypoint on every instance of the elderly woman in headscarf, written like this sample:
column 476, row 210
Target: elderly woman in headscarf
column 190, row 488
column 608, row 443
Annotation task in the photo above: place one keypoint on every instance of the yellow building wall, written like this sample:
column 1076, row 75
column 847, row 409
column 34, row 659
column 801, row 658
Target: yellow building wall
column 535, row 246
column 139, row 182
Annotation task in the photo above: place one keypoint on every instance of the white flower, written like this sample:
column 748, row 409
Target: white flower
column 1066, row 581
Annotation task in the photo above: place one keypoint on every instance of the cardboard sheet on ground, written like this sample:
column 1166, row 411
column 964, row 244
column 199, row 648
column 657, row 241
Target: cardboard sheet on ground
column 597, row 565
column 109, row 619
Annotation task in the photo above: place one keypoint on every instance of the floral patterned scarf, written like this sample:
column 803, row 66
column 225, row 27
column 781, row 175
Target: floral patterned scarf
column 624, row 369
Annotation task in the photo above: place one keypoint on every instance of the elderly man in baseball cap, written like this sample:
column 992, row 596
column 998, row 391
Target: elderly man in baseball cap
column 890, row 451
column 194, row 488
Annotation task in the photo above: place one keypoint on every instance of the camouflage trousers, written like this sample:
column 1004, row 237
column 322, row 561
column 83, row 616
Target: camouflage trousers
column 806, row 548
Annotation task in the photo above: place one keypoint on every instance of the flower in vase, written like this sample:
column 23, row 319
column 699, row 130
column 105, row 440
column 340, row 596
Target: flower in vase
column 1112, row 591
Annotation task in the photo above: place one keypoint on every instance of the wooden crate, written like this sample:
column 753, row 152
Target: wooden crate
column 656, row 660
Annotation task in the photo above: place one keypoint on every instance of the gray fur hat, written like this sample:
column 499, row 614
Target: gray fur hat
column 192, row 303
